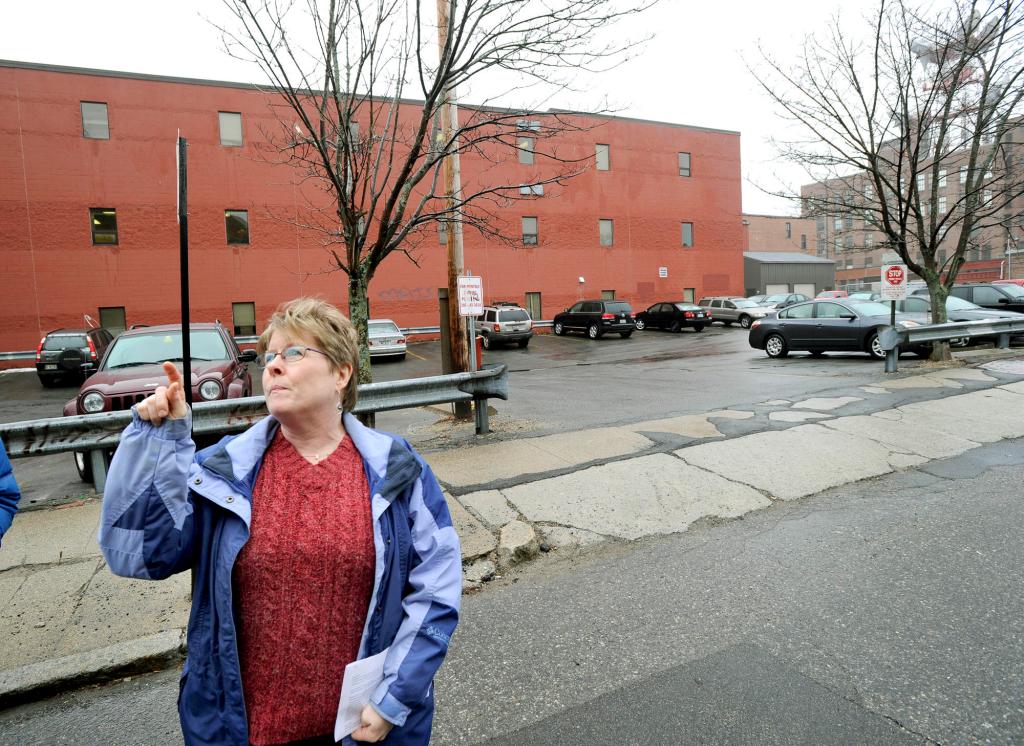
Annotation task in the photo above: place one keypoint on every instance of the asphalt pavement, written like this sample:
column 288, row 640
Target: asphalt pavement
column 890, row 611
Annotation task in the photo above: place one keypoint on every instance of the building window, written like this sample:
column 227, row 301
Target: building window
column 869, row 191
column 942, row 257
column 607, row 295
column 532, row 190
column 848, row 221
column 529, row 231
column 869, row 240
column 837, row 223
column 963, row 175
column 942, row 177
column 236, row 223
column 604, row 158
column 789, row 230
column 803, row 242
column 920, row 183
column 606, row 229
column 103, row 221
column 687, row 235
column 230, row 128
column 942, row 205
column 986, row 252
column 819, row 223
column 847, row 241
column 95, row 125
column 525, row 145
column 113, row 319
column 684, row 164
column 243, row 316
column 533, row 305
column 689, row 294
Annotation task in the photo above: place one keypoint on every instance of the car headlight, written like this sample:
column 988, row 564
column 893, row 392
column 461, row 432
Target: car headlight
column 92, row 402
column 209, row 390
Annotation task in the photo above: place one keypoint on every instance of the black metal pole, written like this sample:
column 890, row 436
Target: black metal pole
column 186, row 347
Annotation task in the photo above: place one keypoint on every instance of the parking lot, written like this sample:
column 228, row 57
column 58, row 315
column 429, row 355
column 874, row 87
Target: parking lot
column 556, row 384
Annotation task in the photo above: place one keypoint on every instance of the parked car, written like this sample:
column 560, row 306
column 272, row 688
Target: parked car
column 596, row 318
column 62, row 353
column 832, row 294
column 822, row 326
column 757, row 298
column 386, row 339
column 781, row 300
column 674, row 316
column 729, row 310
column 132, row 368
column 1006, row 297
column 1018, row 281
column 919, row 308
column 863, row 295
column 504, row 323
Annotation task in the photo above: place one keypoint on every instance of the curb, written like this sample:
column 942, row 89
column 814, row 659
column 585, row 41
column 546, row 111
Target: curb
column 39, row 680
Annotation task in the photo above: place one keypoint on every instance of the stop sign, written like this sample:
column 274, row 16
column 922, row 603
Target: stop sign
column 895, row 275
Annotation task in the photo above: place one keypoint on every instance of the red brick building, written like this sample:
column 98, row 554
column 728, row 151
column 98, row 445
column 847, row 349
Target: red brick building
column 87, row 198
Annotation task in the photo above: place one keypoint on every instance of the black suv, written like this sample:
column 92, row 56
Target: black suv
column 597, row 318
column 62, row 352
column 999, row 297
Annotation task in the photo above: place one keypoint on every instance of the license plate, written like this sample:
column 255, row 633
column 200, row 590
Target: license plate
column 49, row 367
column 700, row 315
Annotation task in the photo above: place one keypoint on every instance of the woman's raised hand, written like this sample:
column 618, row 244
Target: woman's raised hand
column 166, row 401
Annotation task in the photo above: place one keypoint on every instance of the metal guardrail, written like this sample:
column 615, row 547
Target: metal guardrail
column 97, row 433
column 892, row 338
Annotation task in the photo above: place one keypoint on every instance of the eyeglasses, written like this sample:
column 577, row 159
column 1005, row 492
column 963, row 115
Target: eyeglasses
column 288, row 354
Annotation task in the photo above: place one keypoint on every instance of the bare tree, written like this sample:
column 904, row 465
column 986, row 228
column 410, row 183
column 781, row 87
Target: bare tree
column 343, row 70
column 909, row 132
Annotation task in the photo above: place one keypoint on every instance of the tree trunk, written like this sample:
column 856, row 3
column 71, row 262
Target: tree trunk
column 359, row 314
column 938, row 293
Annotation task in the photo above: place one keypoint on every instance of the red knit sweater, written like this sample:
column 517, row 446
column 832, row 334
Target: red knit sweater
column 303, row 583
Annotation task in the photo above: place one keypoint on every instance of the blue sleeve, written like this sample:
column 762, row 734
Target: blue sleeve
column 431, row 604
column 9, row 493
column 146, row 524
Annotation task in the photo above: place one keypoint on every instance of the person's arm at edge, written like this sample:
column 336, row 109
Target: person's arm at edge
column 9, row 492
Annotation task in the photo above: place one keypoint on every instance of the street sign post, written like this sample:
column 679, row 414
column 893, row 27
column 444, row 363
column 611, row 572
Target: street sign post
column 894, row 286
column 471, row 305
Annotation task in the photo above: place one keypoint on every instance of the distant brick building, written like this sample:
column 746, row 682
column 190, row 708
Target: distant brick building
column 774, row 233
column 87, row 193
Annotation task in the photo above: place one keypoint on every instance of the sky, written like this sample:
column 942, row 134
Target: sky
column 693, row 70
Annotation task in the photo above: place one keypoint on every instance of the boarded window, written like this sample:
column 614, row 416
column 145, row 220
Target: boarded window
column 530, row 231
column 525, row 145
column 230, row 128
column 95, row 125
column 687, row 235
column 604, row 158
column 606, row 229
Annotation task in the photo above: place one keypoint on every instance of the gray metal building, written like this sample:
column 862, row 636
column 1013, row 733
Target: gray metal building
column 787, row 272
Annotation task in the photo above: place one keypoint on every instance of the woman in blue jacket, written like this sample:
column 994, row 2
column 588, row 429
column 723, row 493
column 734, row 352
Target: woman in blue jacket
column 314, row 541
column 9, row 493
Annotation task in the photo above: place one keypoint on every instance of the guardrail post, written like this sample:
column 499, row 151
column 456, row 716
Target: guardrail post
column 99, row 469
column 1004, row 342
column 891, row 358
column 483, row 425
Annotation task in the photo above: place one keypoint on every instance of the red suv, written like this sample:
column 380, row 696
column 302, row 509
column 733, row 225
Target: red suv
column 132, row 368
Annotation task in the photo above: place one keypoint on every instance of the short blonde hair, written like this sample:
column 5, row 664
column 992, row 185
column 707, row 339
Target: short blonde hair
column 331, row 331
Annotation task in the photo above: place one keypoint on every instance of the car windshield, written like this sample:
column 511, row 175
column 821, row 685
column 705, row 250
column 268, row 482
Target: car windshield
column 516, row 314
column 744, row 303
column 154, row 348
column 1016, row 291
column 382, row 328
column 687, row 307
column 871, row 308
column 64, row 341
column 617, row 307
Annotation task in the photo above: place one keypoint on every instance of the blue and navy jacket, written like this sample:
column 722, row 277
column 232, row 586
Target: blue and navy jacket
column 167, row 508
column 9, row 493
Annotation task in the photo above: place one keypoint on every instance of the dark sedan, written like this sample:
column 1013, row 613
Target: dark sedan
column 825, row 326
column 673, row 316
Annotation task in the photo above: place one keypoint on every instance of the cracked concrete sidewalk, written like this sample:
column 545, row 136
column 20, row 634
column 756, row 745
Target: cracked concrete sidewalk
column 66, row 620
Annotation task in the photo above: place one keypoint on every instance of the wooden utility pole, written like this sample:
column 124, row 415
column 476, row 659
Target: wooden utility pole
column 451, row 173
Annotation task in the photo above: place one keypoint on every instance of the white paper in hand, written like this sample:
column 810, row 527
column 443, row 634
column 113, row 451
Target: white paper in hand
column 361, row 678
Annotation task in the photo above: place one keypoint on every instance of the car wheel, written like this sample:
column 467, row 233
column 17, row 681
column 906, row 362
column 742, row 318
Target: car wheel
column 593, row 332
column 875, row 347
column 523, row 343
column 485, row 341
column 559, row 329
column 84, row 465
column 776, row 346
column 745, row 321
column 626, row 335
column 641, row 324
column 675, row 327
column 699, row 328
